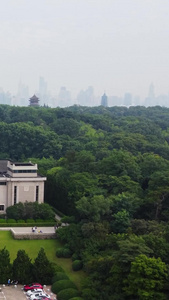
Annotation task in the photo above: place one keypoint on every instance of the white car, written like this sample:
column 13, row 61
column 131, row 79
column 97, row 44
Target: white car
column 39, row 295
column 32, row 292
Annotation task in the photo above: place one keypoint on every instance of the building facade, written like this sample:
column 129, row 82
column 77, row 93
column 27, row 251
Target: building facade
column 104, row 101
column 20, row 182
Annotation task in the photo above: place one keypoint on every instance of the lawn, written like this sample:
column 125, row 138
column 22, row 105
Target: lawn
column 32, row 248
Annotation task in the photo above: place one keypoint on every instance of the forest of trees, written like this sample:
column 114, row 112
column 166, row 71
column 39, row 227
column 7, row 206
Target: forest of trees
column 108, row 171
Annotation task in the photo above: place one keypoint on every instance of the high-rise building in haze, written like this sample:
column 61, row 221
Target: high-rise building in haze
column 151, row 93
column 127, row 99
column 151, row 99
column 43, row 90
column 104, row 101
column 42, row 86
column 64, row 97
column 22, row 95
column 5, row 98
column 86, row 97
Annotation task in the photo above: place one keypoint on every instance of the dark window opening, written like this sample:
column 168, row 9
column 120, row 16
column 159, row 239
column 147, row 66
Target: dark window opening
column 1, row 207
column 15, row 194
column 37, row 193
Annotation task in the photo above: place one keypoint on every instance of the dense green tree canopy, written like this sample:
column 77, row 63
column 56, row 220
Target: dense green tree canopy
column 108, row 171
column 146, row 279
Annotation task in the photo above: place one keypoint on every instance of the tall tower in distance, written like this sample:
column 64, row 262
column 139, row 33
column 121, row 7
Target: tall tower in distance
column 151, row 99
column 104, row 101
column 43, row 93
column 34, row 101
column 151, row 93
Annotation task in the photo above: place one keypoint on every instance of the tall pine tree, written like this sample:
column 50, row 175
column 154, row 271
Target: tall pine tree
column 42, row 268
column 6, row 268
column 22, row 268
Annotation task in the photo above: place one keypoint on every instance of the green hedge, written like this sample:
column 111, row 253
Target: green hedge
column 67, row 253
column 67, row 219
column 63, row 252
column 59, row 252
column 2, row 221
column 39, row 220
column 57, row 269
column 77, row 265
column 76, row 298
column 11, row 221
column 26, row 224
column 75, row 256
column 3, row 216
column 62, row 285
column 59, row 276
column 67, row 294
column 30, row 221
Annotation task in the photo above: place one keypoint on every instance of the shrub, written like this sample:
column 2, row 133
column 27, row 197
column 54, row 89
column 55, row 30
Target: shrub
column 76, row 298
column 11, row 221
column 30, row 221
column 67, row 294
column 66, row 253
column 30, row 210
column 75, row 256
column 67, row 219
column 20, row 221
column 62, row 285
column 57, row 269
column 87, row 293
column 3, row 216
column 39, row 221
column 59, row 252
column 77, row 265
column 2, row 221
column 49, row 221
column 63, row 252
column 59, row 276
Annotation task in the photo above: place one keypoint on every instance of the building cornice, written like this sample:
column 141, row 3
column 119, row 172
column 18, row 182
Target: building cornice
column 23, row 179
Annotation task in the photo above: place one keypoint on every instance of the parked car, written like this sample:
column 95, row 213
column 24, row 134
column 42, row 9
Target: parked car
column 32, row 286
column 39, row 296
column 42, row 298
column 32, row 292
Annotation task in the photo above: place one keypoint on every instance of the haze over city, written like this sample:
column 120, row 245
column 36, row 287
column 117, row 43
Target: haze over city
column 114, row 46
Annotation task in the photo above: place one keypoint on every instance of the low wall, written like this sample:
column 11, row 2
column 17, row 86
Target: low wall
column 33, row 236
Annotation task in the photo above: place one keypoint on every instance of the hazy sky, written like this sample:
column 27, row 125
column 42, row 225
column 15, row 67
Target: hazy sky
column 116, row 46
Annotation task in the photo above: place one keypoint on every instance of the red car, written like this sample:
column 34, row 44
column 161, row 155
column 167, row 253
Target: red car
column 32, row 286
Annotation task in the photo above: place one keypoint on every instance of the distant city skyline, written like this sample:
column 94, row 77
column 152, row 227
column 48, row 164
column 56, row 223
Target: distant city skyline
column 117, row 46
column 43, row 87
column 84, row 97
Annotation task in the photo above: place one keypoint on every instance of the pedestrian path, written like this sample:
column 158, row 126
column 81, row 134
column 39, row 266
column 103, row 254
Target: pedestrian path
column 2, row 295
column 29, row 229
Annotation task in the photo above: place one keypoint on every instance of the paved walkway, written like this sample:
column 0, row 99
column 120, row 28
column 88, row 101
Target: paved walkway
column 29, row 229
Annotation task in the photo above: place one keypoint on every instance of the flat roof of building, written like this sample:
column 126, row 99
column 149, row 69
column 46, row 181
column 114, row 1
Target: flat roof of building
column 22, row 164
